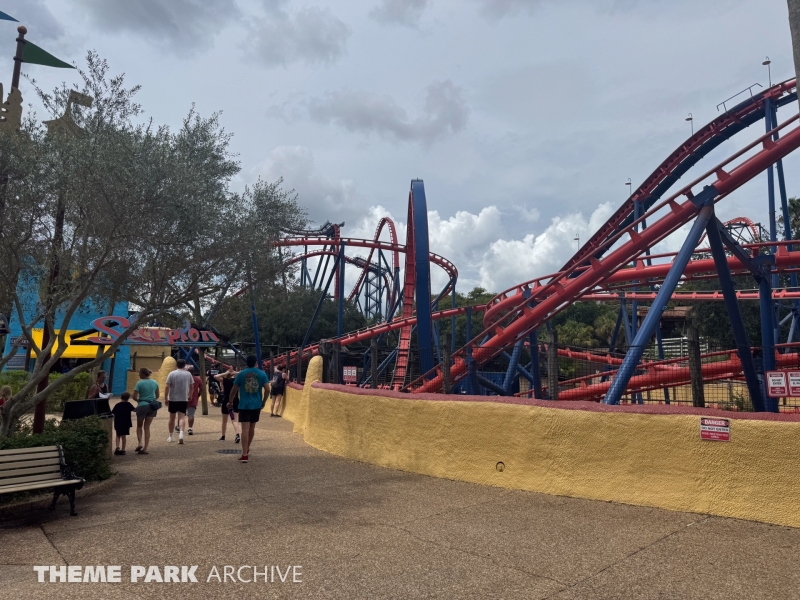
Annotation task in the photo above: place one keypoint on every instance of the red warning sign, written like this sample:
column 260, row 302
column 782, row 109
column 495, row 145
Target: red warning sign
column 350, row 374
column 776, row 384
column 715, row 429
column 794, row 383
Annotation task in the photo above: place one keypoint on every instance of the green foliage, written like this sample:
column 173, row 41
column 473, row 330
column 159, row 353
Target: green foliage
column 76, row 389
column 120, row 209
column 84, row 441
column 474, row 297
column 284, row 316
column 712, row 320
column 15, row 379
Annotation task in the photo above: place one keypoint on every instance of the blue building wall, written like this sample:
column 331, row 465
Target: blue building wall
column 82, row 319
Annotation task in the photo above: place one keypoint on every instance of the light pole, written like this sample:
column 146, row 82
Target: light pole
column 690, row 118
column 628, row 183
column 767, row 62
column 577, row 238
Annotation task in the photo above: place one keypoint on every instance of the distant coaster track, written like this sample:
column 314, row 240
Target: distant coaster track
column 608, row 267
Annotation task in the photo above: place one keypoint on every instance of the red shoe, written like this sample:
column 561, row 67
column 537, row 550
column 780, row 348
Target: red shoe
column 243, row 458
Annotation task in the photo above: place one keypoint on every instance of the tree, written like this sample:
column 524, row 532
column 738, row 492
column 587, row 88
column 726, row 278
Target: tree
column 115, row 209
column 284, row 316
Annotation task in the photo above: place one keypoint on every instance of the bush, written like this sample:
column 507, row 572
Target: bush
column 84, row 441
column 74, row 390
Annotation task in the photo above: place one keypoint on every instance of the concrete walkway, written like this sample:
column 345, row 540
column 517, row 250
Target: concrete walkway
column 360, row 531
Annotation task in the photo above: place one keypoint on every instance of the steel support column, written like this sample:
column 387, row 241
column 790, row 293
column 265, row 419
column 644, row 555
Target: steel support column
column 635, row 351
column 767, row 339
column 735, row 315
column 340, row 308
column 535, row 368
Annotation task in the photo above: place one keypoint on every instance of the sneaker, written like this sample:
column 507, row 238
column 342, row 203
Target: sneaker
column 238, row 439
column 117, row 452
column 180, row 437
column 190, row 431
column 243, row 458
column 122, row 452
column 169, row 440
column 222, row 439
column 177, row 429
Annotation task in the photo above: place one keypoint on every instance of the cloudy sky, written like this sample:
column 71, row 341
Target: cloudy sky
column 525, row 118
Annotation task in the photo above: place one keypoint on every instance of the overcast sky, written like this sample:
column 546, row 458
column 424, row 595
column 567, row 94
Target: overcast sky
column 525, row 118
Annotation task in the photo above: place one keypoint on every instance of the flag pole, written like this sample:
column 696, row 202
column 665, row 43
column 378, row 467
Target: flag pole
column 18, row 56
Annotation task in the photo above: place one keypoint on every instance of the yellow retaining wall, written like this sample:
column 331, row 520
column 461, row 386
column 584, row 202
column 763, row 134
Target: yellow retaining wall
column 622, row 456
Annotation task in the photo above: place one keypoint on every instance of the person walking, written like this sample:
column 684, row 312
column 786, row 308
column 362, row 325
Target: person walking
column 176, row 396
column 248, row 386
column 213, row 385
column 194, row 398
column 226, row 381
column 277, row 390
column 122, row 421
column 146, row 394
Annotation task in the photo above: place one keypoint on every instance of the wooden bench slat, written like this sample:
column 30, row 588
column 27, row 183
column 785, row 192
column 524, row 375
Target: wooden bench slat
column 28, row 450
column 26, row 479
column 28, row 463
column 49, row 454
column 8, row 475
column 37, row 486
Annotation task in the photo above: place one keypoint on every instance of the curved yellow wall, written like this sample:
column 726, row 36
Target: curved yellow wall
column 645, row 459
column 167, row 366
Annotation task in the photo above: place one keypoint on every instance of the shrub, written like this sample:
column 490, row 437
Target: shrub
column 84, row 442
column 74, row 390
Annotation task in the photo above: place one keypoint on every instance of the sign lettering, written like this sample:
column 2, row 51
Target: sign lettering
column 776, row 384
column 114, row 326
column 715, row 429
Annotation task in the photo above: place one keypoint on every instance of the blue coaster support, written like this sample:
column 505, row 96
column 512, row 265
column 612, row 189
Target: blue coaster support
column 636, row 349
column 715, row 233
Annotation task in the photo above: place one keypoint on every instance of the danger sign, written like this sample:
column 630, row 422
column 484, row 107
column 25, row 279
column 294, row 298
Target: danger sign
column 776, row 384
column 350, row 374
column 794, row 383
column 715, row 430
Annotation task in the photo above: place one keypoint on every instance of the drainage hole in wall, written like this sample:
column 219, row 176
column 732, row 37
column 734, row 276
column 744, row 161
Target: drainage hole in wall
column 500, row 467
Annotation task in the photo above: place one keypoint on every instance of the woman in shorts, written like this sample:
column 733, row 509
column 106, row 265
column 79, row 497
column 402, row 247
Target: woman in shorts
column 226, row 381
column 146, row 393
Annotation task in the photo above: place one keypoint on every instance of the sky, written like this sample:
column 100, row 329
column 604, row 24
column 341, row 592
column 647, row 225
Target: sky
column 524, row 118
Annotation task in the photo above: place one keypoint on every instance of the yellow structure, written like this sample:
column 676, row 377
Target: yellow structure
column 593, row 451
column 168, row 365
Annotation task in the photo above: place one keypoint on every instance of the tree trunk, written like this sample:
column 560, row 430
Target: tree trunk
column 446, row 389
column 373, row 363
column 695, row 372
column 552, row 364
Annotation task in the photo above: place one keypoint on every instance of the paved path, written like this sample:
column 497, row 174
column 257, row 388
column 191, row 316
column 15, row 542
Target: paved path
column 360, row 531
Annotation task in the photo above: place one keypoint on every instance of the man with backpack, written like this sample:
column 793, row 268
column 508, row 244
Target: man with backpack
column 277, row 390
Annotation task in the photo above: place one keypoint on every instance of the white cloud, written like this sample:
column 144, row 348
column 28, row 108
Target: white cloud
column 444, row 113
column 400, row 12
column 325, row 199
column 181, row 25
column 311, row 35
column 508, row 262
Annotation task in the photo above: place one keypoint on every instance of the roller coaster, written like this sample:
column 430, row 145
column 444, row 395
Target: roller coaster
column 615, row 264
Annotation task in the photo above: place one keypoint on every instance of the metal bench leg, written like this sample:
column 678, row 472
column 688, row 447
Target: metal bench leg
column 72, row 503
column 56, row 494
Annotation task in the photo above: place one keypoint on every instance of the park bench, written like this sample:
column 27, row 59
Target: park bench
column 29, row 469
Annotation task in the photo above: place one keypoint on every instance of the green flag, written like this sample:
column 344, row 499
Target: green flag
column 32, row 54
